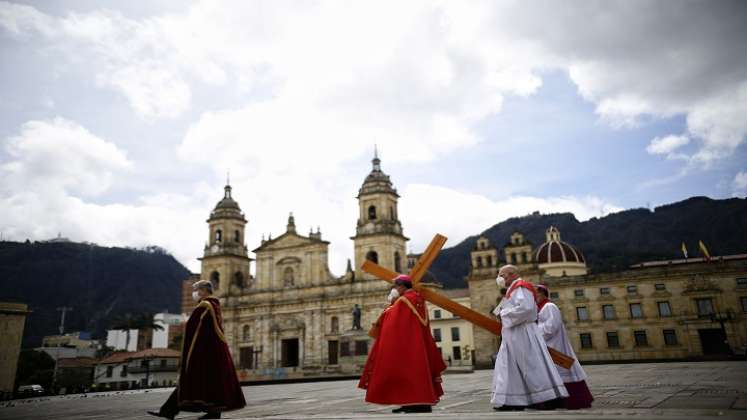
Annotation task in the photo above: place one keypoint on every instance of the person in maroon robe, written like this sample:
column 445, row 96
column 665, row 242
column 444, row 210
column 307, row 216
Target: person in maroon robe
column 207, row 378
column 404, row 367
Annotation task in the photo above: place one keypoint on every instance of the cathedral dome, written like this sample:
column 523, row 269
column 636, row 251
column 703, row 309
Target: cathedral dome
column 558, row 257
column 377, row 181
column 227, row 207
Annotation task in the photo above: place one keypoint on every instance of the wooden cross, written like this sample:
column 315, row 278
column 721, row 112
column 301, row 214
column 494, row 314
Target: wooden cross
column 476, row 318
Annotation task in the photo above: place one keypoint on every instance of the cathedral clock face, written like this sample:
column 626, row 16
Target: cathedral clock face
column 214, row 248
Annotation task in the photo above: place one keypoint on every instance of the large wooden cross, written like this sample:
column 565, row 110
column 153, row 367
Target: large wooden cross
column 417, row 272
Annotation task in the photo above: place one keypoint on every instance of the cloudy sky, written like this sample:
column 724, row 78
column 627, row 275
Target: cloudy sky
column 119, row 120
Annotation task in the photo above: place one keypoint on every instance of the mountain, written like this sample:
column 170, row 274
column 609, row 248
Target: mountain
column 99, row 283
column 616, row 241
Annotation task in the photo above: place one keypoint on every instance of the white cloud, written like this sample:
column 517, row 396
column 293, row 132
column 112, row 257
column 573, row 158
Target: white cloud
column 61, row 155
column 740, row 184
column 429, row 209
column 667, row 145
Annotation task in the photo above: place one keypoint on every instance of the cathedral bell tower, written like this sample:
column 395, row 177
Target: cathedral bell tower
column 225, row 260
column 378, row 234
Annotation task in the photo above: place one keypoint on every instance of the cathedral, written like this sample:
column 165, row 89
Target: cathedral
column 294, row 318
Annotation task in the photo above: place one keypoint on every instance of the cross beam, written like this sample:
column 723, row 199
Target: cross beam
column 416, row 274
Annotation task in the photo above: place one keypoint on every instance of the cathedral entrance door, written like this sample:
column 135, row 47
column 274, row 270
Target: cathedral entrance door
column 333, row 347
column 289, row 352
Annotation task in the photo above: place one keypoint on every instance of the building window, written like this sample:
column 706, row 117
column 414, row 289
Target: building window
column 585, row 340
column 604, row 291
column 345, row 348
column 288, row 277
column 245, row 333
column 218, row 235
column 579, row 293
column 640, row 338
column 705, row 307
column 397, row 262
column 373, row 257
column 122, row 373
column 742, row 282
column 457, row 352
column 479, row 262
column 582, row 313
column 636, row 311
column 608, row 311
column 361, row 348
column 437, row 314
column 236, row 236
column 109, row 371
column 372, row 213
column 632, row 290
column 454, row 333
column 334, row 324
column 215, row 279
column 488, row 261
column 437, row 335
column 238, row 280
column 613, row 340
column 664, row 309
column 744, row 303
column 660, row 287
column 670, row 337
column 554, row 295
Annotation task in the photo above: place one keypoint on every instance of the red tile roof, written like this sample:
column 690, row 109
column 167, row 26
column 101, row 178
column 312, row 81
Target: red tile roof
column 118, row 357
column 151, row 353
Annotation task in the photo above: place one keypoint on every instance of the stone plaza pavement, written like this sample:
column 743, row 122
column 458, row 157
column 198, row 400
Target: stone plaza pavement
column 655, row 390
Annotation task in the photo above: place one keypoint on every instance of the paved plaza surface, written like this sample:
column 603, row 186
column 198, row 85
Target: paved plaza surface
column 654, row 390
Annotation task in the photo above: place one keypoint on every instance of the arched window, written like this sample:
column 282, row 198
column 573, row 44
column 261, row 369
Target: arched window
column 391, row 213
column 479, row 261
column 397, row 262
column 288, row 279
column 334, row 325
column 246, row 333
column 489, row 261
column 218, row 235
column 238, row 280
column 373, row 257
column 215, row 279
column 372, row 213
column 527, row 257
column 236, row 236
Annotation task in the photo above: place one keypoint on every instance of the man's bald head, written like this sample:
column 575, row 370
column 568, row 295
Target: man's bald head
column 509, row 273
column 508, row 270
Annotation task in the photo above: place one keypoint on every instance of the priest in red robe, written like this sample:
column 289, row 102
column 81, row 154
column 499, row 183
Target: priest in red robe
column 404, row 367
column 207, row 378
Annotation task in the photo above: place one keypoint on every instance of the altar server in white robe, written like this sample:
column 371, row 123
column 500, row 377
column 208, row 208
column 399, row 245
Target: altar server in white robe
column 550, row 322
column 524, row 375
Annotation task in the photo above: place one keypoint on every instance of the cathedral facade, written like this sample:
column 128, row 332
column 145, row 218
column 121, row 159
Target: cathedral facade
column 293, row 318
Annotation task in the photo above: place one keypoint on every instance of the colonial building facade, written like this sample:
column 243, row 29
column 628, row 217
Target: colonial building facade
column 675, row 309
column 294, row 318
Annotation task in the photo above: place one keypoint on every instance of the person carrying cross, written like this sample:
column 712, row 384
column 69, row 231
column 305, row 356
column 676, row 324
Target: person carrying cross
column 524, row 371
column 404, row 366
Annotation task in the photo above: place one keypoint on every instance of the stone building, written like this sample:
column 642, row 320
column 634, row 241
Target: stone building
column 676, row 309
column 294, row 317
column 453, row 335
column 12, row 321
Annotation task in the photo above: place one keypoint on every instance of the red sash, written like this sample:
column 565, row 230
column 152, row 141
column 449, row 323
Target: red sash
column 542, row 305
column 521, row 283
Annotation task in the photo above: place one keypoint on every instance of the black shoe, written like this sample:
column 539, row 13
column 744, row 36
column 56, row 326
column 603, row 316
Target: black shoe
column 158, row 414
column 211, row 416
column 399, row 410
column 420, row 409
column 509, row 408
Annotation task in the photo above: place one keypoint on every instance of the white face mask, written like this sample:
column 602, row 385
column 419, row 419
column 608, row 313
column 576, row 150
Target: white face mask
column 195, row 296
column 393, row 295
column 501, row 281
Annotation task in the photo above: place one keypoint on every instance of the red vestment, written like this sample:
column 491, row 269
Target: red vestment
column 207, row 378
column 404, row 366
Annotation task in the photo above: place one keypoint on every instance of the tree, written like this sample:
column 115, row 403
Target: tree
column 129, row 321
column 35, row 368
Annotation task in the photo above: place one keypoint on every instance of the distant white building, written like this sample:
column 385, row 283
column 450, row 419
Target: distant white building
column 143, row 369
column 117, row 339
column 170, row 323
